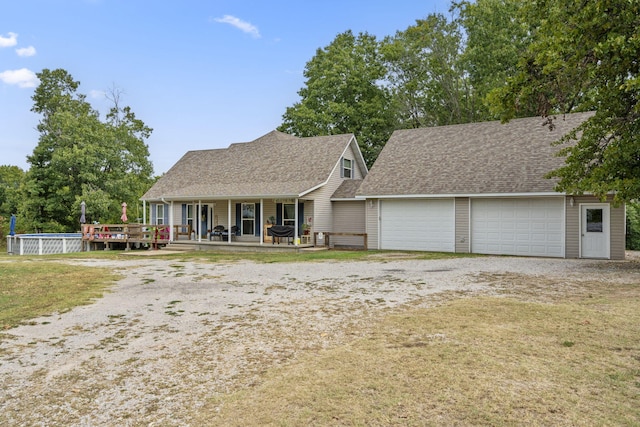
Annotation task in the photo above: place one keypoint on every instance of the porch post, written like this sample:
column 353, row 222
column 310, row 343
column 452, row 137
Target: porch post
column 262, row 230
column 144, row 211
column 229, row 220
column 199, row 221
column 171, row 218
column 295, row 226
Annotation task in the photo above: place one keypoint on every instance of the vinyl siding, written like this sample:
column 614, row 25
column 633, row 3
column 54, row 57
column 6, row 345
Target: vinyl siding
column 372, row 213
column 348, row 217
column 616, row 224
column 462, row 206
column 322, row 205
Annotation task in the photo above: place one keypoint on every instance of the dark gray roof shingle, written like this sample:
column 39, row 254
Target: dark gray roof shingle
column 475, row 158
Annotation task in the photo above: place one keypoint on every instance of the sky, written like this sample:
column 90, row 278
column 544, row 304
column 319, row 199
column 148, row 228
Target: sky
column 202, row 74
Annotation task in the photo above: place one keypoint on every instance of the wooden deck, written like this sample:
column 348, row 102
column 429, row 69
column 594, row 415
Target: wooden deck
column 109, row 236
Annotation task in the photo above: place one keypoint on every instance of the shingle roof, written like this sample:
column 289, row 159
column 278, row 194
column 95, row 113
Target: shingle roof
column 276, row 164
column 347, row 189
column 475, row 158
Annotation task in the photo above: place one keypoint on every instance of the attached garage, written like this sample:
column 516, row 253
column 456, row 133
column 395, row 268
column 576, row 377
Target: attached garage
column 518, row 226
column 417, row 224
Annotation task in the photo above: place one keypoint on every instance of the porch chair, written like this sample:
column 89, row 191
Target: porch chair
column 218, row 231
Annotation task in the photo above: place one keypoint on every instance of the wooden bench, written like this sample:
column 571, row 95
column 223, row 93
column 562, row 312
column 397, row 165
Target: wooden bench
column 182, row 230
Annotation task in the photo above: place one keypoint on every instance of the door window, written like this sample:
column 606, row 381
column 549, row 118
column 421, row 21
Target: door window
column 594, row 220
column 248, row 218
column 289, row 214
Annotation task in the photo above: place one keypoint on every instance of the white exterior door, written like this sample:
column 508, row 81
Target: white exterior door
column 594, row 230
column 422, row 225
column 518, row 226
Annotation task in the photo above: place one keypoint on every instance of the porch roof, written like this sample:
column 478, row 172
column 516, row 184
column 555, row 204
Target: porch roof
column 275, row 165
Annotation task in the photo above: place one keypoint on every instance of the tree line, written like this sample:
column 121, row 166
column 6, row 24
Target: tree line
column 484, row 60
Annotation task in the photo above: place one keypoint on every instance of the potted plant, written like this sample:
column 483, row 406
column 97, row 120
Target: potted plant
column 305, row 228
column 271, row 220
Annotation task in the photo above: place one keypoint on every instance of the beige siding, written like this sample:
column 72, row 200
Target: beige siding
column 462, row 225
column 322, row 207
column 616, row 224
column 348, row 217
column 349, row 154
column 372, row 213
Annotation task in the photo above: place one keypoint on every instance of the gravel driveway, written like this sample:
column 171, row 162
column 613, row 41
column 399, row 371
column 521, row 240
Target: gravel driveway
column 173, row 334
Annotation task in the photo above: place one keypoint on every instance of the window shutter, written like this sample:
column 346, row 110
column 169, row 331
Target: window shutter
column 238, row 218
column 278, row 213
column 341, row 167
column 184, row 214
column 258, row 220
column 300, row 217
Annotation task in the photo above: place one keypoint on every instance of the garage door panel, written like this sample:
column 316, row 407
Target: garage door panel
column 417, row 225
column 531, row 227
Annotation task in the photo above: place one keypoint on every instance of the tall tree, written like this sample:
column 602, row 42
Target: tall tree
column 496, row 37
column 428, row 84
column 584, row 56
column 343, row 94
column 79, row 157
column 11, row 179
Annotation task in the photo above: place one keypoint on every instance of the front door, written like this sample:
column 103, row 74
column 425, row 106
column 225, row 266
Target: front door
column 204, row 220
column 594, row 230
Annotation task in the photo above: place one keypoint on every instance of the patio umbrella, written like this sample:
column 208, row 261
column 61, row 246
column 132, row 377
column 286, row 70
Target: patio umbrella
column 124, row 212
column 12, row 226
column 83, row 208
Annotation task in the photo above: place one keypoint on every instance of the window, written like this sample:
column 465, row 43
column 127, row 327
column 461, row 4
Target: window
column 594, row 220
column 248, row 218
column 289, row 214
column 346, row 168
column 159, row 214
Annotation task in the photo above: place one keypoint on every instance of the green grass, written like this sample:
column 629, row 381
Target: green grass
column 29, row 289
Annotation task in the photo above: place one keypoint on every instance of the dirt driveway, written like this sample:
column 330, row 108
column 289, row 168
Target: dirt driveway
column 173, row 334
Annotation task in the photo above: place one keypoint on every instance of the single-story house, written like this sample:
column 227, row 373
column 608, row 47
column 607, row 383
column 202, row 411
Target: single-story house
column 481, row 188
column 288, row 179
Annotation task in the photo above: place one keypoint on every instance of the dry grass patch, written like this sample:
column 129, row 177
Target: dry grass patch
column 31, row 289
column 489, row 360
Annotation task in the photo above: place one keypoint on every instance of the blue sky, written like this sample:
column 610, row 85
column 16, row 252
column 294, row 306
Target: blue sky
column 202, row 74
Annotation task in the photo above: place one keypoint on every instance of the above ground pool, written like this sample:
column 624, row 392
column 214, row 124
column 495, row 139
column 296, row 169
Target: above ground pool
column 44, row 243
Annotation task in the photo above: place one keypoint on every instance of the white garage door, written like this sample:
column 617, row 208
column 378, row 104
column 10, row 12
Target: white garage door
column 423, row 225
column 532, row 227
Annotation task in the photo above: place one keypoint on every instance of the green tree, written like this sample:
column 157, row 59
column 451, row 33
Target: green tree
column 11, row 180
column 496, row 37
column 343, row 94
column 584, row 57
column 81, row 158
column 429, row 86
column 633, row 227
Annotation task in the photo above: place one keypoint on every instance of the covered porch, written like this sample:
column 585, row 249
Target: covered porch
column 235, row 222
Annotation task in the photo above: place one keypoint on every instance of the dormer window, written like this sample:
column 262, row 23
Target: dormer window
column 347, row 168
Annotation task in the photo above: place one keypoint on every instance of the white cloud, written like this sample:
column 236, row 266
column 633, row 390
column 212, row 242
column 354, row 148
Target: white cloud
column 240, row 24
column 12, row 40
column 97, row 94
column 22, row 77
column 26, row 51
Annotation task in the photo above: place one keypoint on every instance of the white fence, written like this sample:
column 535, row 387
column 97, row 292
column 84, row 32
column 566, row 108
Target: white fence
column 45, row 243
